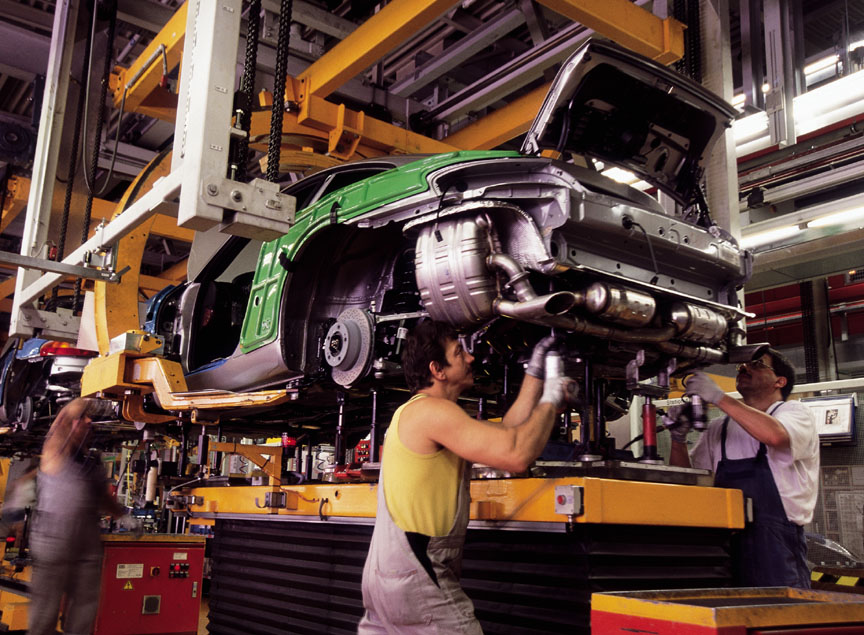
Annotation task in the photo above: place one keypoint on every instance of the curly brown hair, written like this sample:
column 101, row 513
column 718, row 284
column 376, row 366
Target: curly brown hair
column 425, row 344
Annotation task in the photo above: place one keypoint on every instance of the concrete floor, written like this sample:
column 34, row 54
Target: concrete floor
column 202, row 616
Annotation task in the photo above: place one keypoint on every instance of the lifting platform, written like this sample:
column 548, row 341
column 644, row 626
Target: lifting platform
column 536, row 547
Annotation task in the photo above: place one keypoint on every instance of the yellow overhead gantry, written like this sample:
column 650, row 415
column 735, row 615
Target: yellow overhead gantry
column 315, row 120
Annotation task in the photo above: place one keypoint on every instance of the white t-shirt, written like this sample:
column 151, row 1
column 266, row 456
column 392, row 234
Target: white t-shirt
column 795, row 469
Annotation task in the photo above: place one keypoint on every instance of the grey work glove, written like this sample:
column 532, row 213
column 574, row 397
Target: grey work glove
column 558, row 389
column 702, row 385
column 129, row 523
column 678, row 423
column 537, row 364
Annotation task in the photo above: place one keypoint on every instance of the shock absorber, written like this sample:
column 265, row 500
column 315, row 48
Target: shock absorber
column 649, row 432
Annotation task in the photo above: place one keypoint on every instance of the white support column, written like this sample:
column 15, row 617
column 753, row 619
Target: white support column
column 45, row 159
column 779, row 59
column 202, row 134
column 752, row 72
column 203, row 131
column 721, row 174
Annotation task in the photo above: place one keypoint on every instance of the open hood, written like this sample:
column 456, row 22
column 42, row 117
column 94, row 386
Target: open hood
column 626, row 110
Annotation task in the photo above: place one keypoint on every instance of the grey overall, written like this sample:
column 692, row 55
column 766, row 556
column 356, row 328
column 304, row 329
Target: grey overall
column 400, row 595
column 66, row 549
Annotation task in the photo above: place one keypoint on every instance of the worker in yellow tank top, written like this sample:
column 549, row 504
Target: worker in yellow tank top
column 411, row 578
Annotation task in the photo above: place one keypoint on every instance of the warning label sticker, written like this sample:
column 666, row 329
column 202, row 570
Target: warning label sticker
column 130, row 570
column 180, row 555
column 128, row 585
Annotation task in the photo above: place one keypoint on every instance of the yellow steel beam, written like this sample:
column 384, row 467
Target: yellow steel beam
column 149, row 65
column 500, row 125
column 166, row 378
column 369, row 42
column 128, row 376
column 15, row 200
column 606, row 501
column 157, row 283
column 176, row 272
column 116, row 305
column 627, row 24
column 266, row 457
column 620, row 20
column 316, row 112
column 166, row 226
column 300, row 161
column 7, row 287
column 328, row 128
column 18, row 191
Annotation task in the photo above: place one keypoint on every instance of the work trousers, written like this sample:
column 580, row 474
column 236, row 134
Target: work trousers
column 59, row 568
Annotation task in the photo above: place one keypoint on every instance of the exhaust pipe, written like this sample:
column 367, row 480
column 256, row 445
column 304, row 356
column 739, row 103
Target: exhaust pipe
column 549, row 310
column 537, row 308
column 530, row 307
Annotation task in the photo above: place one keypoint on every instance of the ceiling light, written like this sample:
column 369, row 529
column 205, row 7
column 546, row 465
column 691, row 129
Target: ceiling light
column 620, row 175
column 838, row 218
column 770, row 236
column 856, row 45
column 821, row 65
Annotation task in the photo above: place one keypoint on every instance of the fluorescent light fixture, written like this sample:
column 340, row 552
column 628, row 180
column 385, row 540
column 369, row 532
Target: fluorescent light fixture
column 838, row 218
column 738, row 100
column 770, row 236
column 821, row 65
column 620, row 175
column 856, row 45
column 751, row 127
column 626, row 177
column 838, row 100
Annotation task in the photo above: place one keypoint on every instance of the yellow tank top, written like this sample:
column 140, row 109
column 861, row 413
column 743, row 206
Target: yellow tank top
column 420, row 489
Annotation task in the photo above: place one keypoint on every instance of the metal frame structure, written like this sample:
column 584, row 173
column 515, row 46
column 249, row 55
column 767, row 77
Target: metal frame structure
column 198, row 191
column 207, row 197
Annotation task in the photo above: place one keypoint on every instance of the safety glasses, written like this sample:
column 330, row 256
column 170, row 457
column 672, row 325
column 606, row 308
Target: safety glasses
column 756, row 364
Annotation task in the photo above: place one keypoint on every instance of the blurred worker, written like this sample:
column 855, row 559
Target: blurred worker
column 768, row 448
column 411, row 577
column 72, row 494
column 20, row 502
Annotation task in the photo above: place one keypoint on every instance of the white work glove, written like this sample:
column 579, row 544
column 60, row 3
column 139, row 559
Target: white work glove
column 558, row 389
column 678, row 423
column 702, row 385
column 129, row 523
column 537, row 364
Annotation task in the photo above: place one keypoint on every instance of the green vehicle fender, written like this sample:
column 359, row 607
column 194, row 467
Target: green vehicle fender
column 277, row 257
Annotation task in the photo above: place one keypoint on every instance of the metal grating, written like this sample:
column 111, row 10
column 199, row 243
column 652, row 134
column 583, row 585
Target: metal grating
column 273, row 577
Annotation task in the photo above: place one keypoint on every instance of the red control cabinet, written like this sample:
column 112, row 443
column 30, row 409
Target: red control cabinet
column 150, row 584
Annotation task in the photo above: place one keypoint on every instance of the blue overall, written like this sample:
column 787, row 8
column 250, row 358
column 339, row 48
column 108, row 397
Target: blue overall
column 771, row 550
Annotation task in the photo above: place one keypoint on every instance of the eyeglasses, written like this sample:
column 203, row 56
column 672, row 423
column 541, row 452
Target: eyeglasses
column 756, row 364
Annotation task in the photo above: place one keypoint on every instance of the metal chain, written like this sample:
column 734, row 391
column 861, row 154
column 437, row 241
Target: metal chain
column 247, row 86
column 97, row 140
column 687, row 11
column 694, row 40
column 808, row 321
column 273, row 149
column 679, row 12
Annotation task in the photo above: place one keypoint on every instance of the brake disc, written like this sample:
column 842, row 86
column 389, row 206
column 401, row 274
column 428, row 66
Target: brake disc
column 348, row 346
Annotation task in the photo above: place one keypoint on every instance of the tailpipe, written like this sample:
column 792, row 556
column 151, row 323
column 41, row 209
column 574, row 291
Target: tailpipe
column 536, row 309
column 530, row 307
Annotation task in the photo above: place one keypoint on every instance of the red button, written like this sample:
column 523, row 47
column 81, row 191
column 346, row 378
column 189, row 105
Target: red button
column 562, row 499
